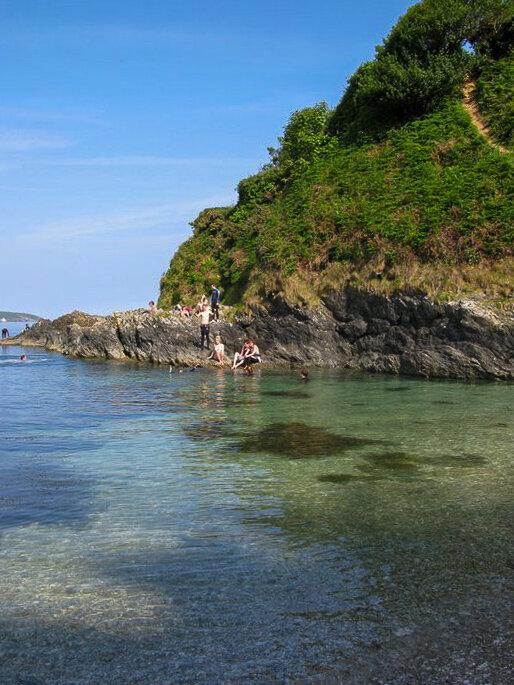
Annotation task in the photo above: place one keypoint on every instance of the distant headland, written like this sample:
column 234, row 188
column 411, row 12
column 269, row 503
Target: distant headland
column 18, row 316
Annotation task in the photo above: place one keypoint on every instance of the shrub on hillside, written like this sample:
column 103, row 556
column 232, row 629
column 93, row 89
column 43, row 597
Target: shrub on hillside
column 305, row 139
column 495, row 95
column 424, row 58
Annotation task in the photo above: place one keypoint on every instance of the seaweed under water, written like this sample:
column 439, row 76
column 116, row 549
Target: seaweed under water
column 343, row 478
column 298, row 440
column 459, row 460
column 392, row 460
column 208, row 430
column 295, row 394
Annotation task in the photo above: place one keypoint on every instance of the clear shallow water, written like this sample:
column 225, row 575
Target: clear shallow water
column 207, row 528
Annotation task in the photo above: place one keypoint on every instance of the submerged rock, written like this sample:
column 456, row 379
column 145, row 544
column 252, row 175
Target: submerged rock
column 404, row 334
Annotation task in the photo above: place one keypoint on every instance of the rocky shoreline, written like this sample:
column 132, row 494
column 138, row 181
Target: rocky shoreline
column 404, row 333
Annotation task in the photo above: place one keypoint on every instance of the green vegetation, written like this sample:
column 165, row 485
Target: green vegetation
column 394, row 187
column 495, row 95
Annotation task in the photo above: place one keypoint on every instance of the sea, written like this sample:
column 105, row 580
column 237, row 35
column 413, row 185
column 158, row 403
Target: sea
column 206, row 527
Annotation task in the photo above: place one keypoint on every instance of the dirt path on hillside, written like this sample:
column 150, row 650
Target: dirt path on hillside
column 470, row 105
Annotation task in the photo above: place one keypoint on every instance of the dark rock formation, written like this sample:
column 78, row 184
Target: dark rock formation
column 404, row 333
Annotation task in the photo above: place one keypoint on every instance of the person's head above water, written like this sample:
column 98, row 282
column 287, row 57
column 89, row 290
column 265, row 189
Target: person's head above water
column 23, row 357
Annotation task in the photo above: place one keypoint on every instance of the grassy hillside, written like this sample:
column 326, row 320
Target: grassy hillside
column 395, row 187
column 495, row 99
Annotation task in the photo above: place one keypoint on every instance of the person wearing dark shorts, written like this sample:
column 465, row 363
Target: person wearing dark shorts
column 205, row 318
column 215, row 302
column 252, row 355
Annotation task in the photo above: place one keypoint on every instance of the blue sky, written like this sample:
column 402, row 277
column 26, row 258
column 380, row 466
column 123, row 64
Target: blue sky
column 120, row 120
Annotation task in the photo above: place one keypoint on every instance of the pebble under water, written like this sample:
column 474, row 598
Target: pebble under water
column 163, row 528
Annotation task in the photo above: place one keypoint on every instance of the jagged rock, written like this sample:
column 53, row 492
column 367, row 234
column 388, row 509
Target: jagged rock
column 400, row 333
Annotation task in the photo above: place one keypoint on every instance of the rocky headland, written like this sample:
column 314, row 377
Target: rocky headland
column 404, row 333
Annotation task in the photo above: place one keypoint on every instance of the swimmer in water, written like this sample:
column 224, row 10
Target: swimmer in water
column 304, row 376
column 23, row 358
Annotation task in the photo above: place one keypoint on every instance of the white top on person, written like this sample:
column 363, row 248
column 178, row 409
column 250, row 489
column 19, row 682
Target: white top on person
column 205, row 315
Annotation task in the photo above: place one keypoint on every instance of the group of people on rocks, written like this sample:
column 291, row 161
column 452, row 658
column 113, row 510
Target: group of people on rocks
column 207, row 310
column 212, row 303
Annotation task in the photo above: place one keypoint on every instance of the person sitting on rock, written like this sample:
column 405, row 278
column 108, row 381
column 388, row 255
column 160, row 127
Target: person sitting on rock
column 252, row 355
column 239, row 357
column 218, row 353
column 153, row 309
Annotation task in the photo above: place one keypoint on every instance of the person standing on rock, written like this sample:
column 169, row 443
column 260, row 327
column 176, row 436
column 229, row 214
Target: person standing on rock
column 5, row 333
column 205, row 320
column 215, row 302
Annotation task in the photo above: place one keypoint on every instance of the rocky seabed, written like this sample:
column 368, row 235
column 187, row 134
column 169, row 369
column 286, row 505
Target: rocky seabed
column 404, row 333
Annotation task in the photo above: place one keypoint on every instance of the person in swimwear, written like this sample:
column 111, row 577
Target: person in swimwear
column 205, row 319
column 239, row 357
column 218, row 353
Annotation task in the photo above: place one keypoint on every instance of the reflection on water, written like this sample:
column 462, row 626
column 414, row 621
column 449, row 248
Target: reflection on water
column 213, row 528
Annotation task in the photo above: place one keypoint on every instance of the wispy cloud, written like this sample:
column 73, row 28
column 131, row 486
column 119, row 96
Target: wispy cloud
column 19, row 140
column 37, row 114
column 145, row 161
column 122, row 223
